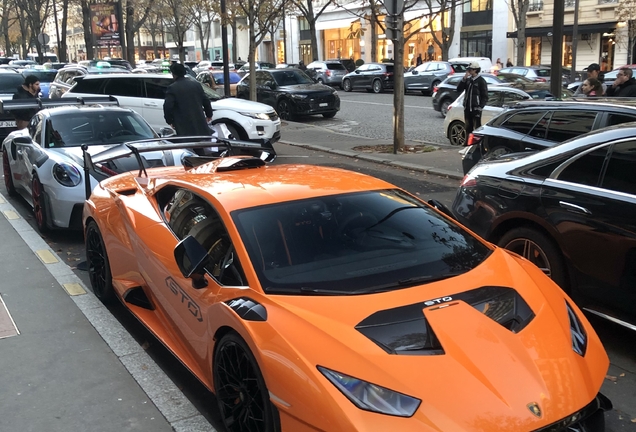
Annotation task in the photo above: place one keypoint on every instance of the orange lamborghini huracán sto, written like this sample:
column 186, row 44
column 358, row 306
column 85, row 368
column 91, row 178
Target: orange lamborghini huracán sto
column 316, row 299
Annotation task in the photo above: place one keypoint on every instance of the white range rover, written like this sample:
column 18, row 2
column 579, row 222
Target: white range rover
column 145, row 93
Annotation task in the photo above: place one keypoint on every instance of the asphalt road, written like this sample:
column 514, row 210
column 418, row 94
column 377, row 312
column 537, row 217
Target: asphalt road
column 620, row 344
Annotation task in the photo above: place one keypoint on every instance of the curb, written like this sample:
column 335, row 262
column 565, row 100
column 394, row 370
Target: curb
column 169, row 400
column 379, row 160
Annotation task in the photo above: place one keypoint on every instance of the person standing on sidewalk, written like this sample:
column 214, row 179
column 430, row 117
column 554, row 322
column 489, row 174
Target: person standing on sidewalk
column 624, row 85
column 593, row 71
column 185, row 104
column 30, row 89
column 475, row 98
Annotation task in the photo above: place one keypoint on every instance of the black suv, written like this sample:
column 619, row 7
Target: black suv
column 445, row 93
column 10, row 80
column 373, row 77
column 539, row 125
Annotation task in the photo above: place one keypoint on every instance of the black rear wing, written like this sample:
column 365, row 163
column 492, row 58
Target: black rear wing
column 263, row 150
column 37, row 103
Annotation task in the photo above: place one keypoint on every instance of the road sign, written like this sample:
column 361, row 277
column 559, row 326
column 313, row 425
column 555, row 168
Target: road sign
column 43, row 38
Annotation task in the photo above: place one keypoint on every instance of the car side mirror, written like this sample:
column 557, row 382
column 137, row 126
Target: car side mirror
column 414, row 72
column 441, row 207
column 166, row 132
column 357, row 71
column 191, row 257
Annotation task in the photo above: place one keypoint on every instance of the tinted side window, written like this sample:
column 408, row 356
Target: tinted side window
column 156, row 88
column 569, row 124
column 90, row 86
column 615, row 119
column 189, row 215
column 389, row 68
column 524, row 121
column 336, row 66
column 619, row 175
column 263, row 77
column 586, row 169
column 494, row 99
column 541, row 128
column 511, row 97
column 123, row 87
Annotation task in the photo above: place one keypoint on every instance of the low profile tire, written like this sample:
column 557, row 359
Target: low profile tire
column 446, row 103
column 377, row 86
column 39, row 205
column 98, row 264
column 346, row 85
column 537, row 248
column 284, row 109
column 457, row 133
column 8, row 177
column 237, row 132
column 320, row 81
column 497, row 151
column 329, row 114
column 240, row 389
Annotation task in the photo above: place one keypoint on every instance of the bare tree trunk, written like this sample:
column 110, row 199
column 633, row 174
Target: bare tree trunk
column 374, row 38
column 5, row 27
column 86, row 25
column 398, row 88
column 251, row 59
column 312, row 31
column 234, row 40
column 63, row 48
column 128, row 43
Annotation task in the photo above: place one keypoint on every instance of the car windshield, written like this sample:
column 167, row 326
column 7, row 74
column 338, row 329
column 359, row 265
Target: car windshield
column 354, row 243
column 291, row 77
column 96, row 128
column 43, row 76
column 9, row 82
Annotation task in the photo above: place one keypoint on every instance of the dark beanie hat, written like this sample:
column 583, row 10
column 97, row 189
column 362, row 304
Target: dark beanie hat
column 177, row 69
column 30, row 79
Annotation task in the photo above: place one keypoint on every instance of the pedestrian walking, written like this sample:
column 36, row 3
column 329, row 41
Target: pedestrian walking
column 418, row 61
column 593, row 71
column 30, row 89
column 509, row 63
column 301, row 65
column 475, row 98
column 591, row 87
column 185, row 104
column 624, row 85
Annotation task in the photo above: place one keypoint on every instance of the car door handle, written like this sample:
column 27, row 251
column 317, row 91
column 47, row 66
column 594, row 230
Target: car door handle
column 150, row 104
column 575, row 208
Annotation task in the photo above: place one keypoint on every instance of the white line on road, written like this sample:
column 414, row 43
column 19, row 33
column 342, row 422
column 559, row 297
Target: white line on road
column 377, row 103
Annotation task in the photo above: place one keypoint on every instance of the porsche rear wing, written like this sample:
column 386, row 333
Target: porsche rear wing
column 37, row 103
column 263, row 151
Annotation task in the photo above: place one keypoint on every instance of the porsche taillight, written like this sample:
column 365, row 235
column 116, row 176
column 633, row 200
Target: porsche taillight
column 474, row 139
column 468, row 181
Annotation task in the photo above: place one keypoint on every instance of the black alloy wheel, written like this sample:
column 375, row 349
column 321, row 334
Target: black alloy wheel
column 330, row 114
column 377, row 86
column 8, row 177
column 284, row 109
column 98, row 264
column 240, row 388
column 346, row 85
column 457, row 133
column 39, row 206
column 539, row 250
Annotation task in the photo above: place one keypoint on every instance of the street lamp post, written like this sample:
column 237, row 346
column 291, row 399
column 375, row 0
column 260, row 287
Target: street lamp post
column 557, row 48
column 225, row 48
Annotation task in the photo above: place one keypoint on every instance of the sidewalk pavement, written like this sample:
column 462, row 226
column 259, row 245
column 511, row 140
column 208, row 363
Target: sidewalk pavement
column 67, row 364
column 445, row 160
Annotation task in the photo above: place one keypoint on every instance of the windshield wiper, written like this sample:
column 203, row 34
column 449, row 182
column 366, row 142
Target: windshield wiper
column 427, row 279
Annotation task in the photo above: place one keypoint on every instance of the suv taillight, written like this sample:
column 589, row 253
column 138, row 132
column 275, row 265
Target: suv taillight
column 541, row 80
column 468, row 181
column 388, row 74
column 328, row 72
column 452, row 72
column 473, row 139
column 435, row 89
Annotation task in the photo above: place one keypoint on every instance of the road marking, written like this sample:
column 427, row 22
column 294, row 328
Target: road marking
column 1, row 200
column 11, row 215
column 73, row 289
column 383, row 104
column 7, row 325
column 46, row 256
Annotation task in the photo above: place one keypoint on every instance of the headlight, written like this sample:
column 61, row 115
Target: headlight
column 259, row 116
column 299, row 96
column 66, row 174
column 371, row 397
column 577, row 331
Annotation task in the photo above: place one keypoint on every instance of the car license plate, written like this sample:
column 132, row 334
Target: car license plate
column 7, row 123
column 324, row 104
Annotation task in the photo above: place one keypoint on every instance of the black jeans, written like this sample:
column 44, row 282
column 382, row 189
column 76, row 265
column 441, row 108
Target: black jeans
column 473, row 121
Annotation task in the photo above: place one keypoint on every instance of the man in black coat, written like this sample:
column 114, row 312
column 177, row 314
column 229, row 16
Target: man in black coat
column 30, row 89
column 624, row 85
column 185, row 104
column 475, row 98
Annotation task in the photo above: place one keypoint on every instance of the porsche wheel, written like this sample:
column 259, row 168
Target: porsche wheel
column 98, row 265
column 8, row 178
column 537, row 248
column 240, row 388
column 284, row 110
column 457, row 133
column 39, row 206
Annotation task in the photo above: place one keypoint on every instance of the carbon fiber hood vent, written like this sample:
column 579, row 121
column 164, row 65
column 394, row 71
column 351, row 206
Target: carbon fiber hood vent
column 404, row 330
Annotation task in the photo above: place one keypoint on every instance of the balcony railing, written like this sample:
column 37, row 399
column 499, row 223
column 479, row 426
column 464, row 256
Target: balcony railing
column 607, row 1
column 569, row 3
column 535, row 6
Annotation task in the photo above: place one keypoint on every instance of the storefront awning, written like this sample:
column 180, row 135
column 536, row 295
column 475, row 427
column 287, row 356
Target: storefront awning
column 335, row 24
column 607, row 27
